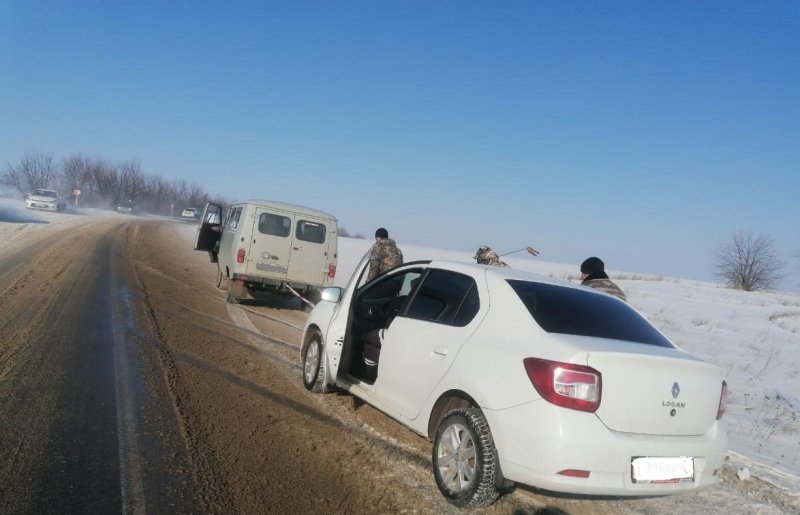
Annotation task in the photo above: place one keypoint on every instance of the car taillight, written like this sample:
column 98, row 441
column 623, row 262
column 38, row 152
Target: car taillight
column 565, row 384
column 240, row 256
column 723, row 400
column 331, row 271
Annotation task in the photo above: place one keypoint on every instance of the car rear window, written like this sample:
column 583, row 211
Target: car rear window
column 571, row 311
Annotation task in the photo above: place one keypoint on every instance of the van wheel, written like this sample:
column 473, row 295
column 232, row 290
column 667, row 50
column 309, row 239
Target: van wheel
column 222, row 282
column 314, row 366
column 232, row 299
column 465, row 463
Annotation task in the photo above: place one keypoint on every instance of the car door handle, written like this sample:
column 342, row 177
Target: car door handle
column 295, row 248
column 440, row 351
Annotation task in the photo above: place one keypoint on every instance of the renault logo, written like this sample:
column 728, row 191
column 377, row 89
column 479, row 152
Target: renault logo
column 676, row 390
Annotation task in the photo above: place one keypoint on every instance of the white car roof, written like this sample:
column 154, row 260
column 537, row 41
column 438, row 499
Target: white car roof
column 503, row 273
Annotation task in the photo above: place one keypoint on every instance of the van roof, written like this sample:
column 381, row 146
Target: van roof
column 286, row 206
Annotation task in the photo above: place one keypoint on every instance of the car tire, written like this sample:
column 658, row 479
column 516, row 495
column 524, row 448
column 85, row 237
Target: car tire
column 314, row 366
column 465, row 463
column 222, row 282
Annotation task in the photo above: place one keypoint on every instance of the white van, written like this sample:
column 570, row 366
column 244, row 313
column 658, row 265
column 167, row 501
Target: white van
column 272, row 246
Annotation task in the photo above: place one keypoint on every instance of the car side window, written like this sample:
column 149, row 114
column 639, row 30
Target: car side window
column 398, row 285
column 233, row 219
column 445, row 297
column 275, row 225
column 310, row 231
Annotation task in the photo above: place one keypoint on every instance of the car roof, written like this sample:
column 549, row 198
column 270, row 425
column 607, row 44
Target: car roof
column 503, row 273
column 286, row 206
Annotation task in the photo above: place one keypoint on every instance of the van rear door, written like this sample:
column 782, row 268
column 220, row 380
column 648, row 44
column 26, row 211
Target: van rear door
column 271, row 244
column 313, row 248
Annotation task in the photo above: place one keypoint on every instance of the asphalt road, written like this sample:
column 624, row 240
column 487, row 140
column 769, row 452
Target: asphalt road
column 80, row 430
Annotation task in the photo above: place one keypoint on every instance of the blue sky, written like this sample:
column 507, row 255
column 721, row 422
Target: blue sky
column 642, row 132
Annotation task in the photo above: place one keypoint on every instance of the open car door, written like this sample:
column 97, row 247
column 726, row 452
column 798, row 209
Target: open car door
column 209, row 231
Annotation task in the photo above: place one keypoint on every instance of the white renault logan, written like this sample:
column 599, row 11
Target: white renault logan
column 517, row 377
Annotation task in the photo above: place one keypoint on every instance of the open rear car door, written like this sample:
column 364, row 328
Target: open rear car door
column 209, row 231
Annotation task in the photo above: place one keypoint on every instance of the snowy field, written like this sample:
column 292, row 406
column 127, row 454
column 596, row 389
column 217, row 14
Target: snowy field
column 755, row 336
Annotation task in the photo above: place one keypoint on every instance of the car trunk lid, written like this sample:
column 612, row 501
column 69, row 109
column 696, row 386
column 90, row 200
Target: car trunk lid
column 657, row 391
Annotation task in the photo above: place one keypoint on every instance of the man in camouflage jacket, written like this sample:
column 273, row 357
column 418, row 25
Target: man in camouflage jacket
column 593, row 274
column 383, row 255
column 486, row 256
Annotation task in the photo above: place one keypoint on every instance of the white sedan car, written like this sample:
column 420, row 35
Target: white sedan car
column 45, row 199
column 190, row 212
column 522, row 378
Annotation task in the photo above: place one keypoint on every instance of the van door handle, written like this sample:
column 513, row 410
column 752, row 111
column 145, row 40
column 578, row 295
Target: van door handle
column 296, row 248
column 440, row 351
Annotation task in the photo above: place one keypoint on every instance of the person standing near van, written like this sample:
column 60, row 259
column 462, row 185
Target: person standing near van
column 593, row 274
column 384, row 254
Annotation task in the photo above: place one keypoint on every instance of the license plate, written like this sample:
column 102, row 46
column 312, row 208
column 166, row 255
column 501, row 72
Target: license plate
column 648, row 469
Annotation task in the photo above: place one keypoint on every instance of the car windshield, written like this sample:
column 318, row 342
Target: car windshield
column 572, row 311
column 45, row 193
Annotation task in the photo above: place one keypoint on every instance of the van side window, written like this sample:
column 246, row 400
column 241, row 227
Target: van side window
column 233, row 219
column 310, row 231
column 275, row 225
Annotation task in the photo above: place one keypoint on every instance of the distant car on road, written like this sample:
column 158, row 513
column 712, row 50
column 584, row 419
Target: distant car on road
column 190, row 212
column 127, row 207
column 45, row 199
column 517, row 377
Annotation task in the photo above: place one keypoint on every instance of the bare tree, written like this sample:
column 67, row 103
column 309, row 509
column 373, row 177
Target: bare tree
column 131, row 180
column 77, row 173
column 749, row 261
column 105, row 179
column 104, row 184
column 197, row 196
column 34, row 171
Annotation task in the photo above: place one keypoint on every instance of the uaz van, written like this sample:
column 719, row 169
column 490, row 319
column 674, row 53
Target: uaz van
column 269, row 246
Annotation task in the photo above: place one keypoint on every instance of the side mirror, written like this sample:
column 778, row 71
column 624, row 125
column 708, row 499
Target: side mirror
column 332, row 294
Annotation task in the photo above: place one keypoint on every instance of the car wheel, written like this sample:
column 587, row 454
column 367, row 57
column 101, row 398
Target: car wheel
column 465, row 459
column 314, row 366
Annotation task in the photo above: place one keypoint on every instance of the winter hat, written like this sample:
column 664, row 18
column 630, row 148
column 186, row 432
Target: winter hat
column 382, row 233
column 592, row 265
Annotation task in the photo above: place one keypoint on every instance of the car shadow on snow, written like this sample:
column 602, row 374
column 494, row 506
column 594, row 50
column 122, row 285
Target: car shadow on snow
column 16, row 216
